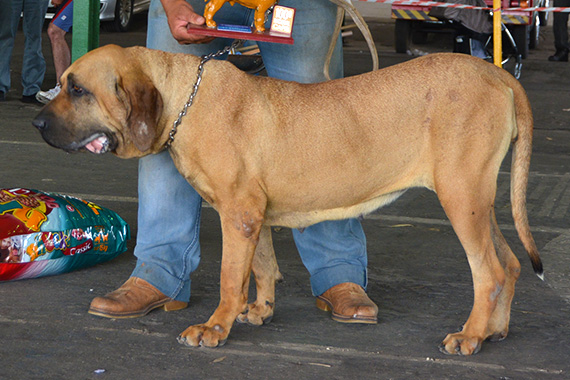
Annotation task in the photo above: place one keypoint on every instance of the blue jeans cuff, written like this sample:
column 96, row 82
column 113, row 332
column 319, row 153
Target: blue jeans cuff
column 329, row 277
column 163, row 281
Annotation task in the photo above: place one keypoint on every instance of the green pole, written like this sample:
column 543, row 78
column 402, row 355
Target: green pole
column 85, row 34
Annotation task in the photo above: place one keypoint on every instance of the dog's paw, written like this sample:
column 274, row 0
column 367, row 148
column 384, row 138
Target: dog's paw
column 497, row 337
column 257, row 314
column 460, row 344
column 210, row 23
column 202, row 335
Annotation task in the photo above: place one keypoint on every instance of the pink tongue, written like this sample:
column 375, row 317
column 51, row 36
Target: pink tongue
column 97, row 145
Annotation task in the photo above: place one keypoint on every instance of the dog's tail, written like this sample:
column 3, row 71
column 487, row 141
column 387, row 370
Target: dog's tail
column 522, row 149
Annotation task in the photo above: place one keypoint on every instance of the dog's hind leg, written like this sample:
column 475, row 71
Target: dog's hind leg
column 499, row 323
column 266, row 274
column 468, row 202
column 259, row 17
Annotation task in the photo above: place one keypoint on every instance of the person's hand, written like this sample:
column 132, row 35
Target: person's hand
column 180, row 15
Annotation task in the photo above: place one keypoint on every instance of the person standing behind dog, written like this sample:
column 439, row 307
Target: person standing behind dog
column 34, row 64
column 59, row 26
column 167, row 247
column 560, row 29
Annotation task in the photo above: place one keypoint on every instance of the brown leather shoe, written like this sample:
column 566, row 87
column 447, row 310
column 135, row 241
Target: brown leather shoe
column 349, row 304
column 135, row 298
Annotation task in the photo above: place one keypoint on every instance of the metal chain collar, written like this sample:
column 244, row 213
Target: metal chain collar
column 204, row 59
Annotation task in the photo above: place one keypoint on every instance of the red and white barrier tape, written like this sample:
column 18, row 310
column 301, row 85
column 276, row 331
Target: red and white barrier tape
column 464, row 6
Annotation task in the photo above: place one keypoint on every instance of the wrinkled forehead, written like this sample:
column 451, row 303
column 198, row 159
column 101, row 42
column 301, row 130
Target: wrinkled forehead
column 96, row 65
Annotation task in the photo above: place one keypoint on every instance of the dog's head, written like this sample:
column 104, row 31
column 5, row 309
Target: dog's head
column 107, row 103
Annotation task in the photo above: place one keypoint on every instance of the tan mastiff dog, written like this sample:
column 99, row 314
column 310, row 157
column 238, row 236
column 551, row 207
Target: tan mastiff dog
column 266, row 152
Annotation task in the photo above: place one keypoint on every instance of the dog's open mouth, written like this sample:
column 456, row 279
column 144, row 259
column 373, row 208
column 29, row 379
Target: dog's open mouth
column 99, row 143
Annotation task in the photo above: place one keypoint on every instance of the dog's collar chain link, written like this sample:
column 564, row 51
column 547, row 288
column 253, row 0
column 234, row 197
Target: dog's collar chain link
column 204, row 59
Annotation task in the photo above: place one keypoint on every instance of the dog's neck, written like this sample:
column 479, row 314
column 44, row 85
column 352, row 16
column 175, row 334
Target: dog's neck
column 183, row 66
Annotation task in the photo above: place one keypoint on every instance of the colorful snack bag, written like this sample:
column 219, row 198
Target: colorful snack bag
column 43, row 234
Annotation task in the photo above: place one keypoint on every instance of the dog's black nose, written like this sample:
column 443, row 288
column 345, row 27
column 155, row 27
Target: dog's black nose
column 40, row 123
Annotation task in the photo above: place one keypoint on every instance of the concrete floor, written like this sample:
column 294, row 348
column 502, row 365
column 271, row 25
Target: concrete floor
column 418, row 273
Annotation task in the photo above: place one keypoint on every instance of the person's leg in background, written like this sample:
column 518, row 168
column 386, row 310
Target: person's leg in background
column 6, row 46
column 34, row 64
column 59, row 26
column 560, row 30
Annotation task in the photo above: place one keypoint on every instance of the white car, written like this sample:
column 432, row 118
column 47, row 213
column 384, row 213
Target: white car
column 116, row 15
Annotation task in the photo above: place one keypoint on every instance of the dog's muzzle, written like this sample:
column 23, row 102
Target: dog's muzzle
column 95, row 140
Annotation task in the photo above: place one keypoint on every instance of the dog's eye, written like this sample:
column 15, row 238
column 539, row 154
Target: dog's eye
column 77, row 90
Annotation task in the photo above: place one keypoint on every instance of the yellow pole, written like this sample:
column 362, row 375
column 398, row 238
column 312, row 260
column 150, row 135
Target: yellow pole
column 497, row 34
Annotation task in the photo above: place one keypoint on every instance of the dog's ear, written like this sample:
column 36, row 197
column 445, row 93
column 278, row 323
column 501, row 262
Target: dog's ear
column 143, row 106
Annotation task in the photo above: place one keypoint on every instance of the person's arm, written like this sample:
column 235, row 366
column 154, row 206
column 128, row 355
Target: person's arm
column 180, row 14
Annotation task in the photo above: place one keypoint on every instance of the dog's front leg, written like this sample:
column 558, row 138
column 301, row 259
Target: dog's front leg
column 266, row 274
column 240, row 237
column 259, row 17
column 211, row 9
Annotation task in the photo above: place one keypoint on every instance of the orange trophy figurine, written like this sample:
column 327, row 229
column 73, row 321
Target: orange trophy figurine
column 260, row 6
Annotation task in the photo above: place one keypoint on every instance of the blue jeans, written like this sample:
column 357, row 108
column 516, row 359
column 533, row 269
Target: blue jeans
column 167, row 249
column 34, row 64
